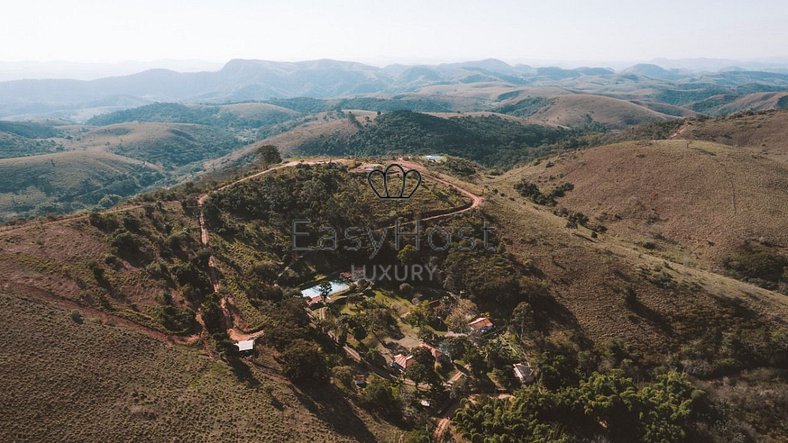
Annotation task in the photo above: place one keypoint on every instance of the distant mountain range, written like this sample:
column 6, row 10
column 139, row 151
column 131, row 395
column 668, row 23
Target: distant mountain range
column 245, row 80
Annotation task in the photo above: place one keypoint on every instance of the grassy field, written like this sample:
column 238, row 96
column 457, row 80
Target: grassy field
column 577, row 110
column 69, row 181
column 691, row 201
column 761, row 134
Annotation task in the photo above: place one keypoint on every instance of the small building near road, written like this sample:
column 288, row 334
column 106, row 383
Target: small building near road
column 481, row 325
column 245, row 346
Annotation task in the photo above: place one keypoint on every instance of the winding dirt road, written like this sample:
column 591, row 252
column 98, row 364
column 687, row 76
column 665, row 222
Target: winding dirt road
column 476, row 200
column 233, row 332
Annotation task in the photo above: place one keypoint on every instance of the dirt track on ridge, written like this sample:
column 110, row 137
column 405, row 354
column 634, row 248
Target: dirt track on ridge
column 233, row 332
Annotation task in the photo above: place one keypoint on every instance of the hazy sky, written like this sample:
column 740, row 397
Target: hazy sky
column 380, row 32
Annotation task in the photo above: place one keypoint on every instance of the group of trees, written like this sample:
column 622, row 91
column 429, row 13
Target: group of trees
column 422, row 369
column 304, row 361
column 603, row 405
column 489, row 140
column 531, row 191
column 153, row 242
column 759, row 265
column 176, row 319
column 504, row 284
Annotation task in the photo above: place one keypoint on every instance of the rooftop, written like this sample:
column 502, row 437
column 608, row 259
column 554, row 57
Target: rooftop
column 524, row 372
column 245, row 345
column 402, row 360
column 481, row 323
column 436, row 353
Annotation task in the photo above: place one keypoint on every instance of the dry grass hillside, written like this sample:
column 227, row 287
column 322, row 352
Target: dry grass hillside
column 760, row 101
column 257, row 111
column 56, row 260
column 167, row 145
column 590, row 277
column 323, row 125
column 94, row 380
column 581, row 109
column 605, row 291
column 764, row 133
column 693, row 201
column 99, row 139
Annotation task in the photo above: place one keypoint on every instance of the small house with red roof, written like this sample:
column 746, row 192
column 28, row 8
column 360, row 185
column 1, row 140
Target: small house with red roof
column 481, row 325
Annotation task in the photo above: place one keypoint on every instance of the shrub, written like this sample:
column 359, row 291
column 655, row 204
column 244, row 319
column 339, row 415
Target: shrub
column 112, row 261
column 76, row 316
column 379, row 395
column 109, row 200
column 418, row 436
column 264, row 291
column 176, row 320
column 758, row 264
column 630, row 296
column 106, row 223
column 265, row 269
column 131, row 222
column 531, row 191
column 128, row 245
column 343, row 375
column 212, row 314
column 225, row 347
column 269, row 154
column 303, row 361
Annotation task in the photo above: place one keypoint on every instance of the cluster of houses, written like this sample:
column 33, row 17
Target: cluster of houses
column 402, row 361
column 480, row 325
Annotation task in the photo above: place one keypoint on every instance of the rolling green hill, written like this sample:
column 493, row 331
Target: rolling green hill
column 171, row 145
column 238, row 116
column 20, row 139
column 68, row 181
column 12, row 145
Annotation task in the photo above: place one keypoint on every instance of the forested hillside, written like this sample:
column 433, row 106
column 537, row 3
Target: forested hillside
column 489, row 140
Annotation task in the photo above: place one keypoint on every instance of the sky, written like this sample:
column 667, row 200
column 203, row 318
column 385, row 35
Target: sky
column 395, row 31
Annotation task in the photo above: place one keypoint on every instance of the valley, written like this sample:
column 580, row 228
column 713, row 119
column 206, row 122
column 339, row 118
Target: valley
column 588, row 255
column 486, row 111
